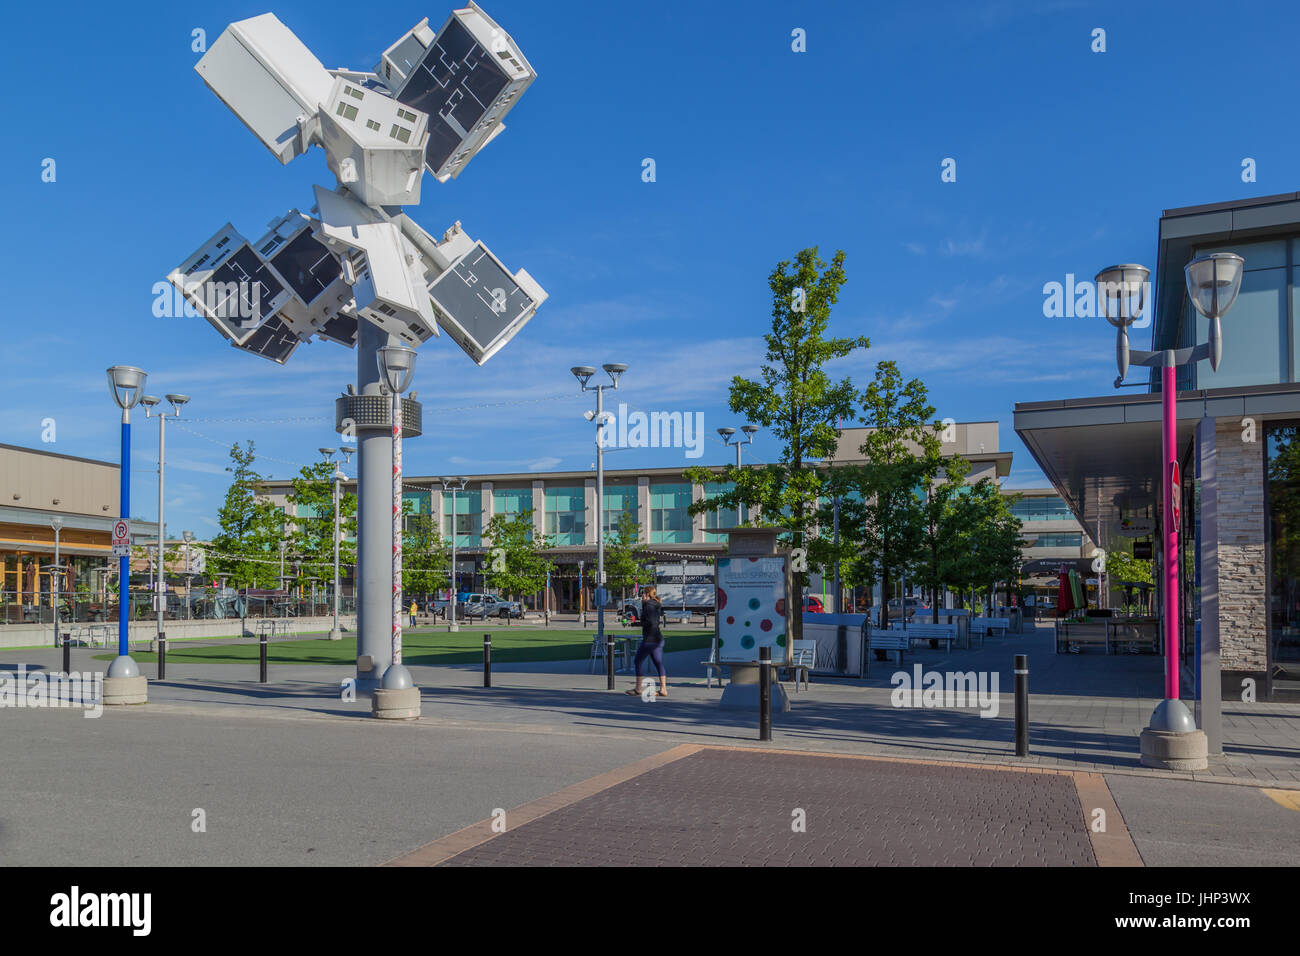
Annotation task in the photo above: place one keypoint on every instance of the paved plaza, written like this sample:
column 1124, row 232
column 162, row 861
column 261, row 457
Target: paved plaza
column 286, row 772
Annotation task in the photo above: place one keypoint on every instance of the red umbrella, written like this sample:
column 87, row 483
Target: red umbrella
column 1064, row 595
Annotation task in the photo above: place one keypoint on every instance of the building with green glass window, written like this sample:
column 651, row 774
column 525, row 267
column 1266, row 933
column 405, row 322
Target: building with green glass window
column 1238, row 443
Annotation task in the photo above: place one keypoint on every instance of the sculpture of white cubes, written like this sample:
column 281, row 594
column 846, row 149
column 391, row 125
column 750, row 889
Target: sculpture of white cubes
column 374, row 144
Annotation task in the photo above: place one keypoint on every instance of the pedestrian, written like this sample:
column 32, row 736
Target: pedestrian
column 652, row 641
column 414, row 609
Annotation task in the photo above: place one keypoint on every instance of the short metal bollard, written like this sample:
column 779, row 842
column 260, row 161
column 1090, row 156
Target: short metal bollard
column 67, row 654
column 261, row 651
column 609, row 662
column 162, row 655
column 765, row 693
column 1022, row 705
column 487, row 660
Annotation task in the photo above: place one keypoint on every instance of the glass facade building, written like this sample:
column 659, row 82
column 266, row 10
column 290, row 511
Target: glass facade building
column 670, row 522
column 566, row 515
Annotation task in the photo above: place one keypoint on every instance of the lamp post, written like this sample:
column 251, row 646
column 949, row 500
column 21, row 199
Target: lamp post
column 727, row 433
column 583, row 374
column 160, row 581
column 397, row 362
column 57, row 524
column 336, row 634
column 1171, row 740
column 189, row 539
column 453, row 485
column 123, row 683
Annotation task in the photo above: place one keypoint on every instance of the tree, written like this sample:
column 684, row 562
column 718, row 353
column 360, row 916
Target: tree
column 902, row 449
column 250, row 527
column 940, row 556
column 624, row 559
column 425, row 556
column 990, row 539
column 794, row 398
column 311, row 537
column 515, row 564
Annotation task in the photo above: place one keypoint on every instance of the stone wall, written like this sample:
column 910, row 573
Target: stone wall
column 1243, row 598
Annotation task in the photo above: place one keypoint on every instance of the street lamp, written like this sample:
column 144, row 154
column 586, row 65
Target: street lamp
column 189, row 569
column 397, row 363
column 453, row 485
column 583, row 374
column 128, row 686
column 336, row 634
column 160, row 582
column 1171, row 740
column 726, row 433
column 57, row 524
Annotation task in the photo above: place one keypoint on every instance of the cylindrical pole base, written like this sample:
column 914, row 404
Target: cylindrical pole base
column 162, row 655
column 765, row 693
column 1022, row 704
column 261, row 658
column 487, row 660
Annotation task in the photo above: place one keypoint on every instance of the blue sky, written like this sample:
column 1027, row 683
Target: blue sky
column 1065, row 159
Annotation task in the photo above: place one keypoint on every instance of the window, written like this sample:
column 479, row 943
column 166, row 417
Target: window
column 372, row 124
column 1062, row 540
column 566, row 515
column 1041, row 509
column 347, row 111
column 1282, row 529
column 467, row 519
column 619, row 500
column 399, row 133
column 406, row 115
column 1257, row 343
column 670, row 523
column 354, row 93
column 721, row 517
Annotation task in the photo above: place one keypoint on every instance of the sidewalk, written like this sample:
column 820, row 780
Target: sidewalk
column 1086, row 711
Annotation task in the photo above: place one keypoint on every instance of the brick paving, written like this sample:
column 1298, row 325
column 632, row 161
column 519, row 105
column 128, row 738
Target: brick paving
column 721, row 807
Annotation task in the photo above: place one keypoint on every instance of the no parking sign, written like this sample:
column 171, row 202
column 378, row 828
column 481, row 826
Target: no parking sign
column 121, row 538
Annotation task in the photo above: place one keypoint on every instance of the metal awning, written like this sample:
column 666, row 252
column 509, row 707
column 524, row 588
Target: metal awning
column 1103, row 454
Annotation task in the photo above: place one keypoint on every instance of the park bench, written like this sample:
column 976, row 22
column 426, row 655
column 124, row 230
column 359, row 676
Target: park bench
column 803, row 658
column 878, row 640
column 932, row 632
column 983, row 626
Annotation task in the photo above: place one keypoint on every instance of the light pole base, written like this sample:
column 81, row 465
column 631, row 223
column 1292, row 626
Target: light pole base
column 336, row 634
column 395, row 704
column 126, row 690
column 1166, row 750
column 453, row 627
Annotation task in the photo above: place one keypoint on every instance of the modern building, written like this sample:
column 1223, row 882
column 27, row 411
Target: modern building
column 1238, row 443
column 38, row 487
column 563, row 505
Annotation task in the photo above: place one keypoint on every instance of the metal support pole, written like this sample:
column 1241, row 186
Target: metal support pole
column 1169, row 433
column 124, row 563
column 838, row 588
column 162, row 656
column 374, row 567
column 261, row 657
column 1022, row 704
column 335, row 633
column 160, row 594
column 454, row 584
column 600, row 539
column 487, row 660
column 609, row 662
column 765, row 693
column 397, row 530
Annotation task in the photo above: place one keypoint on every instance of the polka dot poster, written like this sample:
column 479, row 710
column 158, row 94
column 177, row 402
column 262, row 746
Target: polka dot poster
column 751, row 606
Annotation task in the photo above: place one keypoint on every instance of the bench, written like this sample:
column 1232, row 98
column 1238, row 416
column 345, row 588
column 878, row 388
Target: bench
column 932, row 632
column 878, row 640
column 983, row 626
column 803, row 657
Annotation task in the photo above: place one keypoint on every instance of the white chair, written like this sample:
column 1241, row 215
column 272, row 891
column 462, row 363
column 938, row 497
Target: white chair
column 711, row 665
column 803, row 657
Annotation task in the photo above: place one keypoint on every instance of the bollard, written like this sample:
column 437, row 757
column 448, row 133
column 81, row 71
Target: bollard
column 1022, row 705
column 765, row 693
column 487, row 660
column 67, row 655
column 609, row 662
column 162, row 655
column 261, row 651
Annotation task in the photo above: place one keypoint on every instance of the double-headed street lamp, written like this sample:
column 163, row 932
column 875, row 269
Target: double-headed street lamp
column 55, row 571
column 453, row 485
column 1213, row 281
column 160, row 583
column 336, row 634
column 128, row 686
column 583, row 374
column 727, row 433
column 397, row 363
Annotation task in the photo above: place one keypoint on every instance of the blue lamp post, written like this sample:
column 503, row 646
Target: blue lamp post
column 126, row 384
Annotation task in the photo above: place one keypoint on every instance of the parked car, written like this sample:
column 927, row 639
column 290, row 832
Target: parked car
column 489, row 605
column 812, row 604
column 912, row 607
column 629, row 613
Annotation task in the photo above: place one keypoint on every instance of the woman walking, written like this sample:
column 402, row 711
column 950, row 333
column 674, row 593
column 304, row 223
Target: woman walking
column 652, row 641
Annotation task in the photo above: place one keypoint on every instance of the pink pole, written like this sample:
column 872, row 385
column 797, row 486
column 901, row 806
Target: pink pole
column 1169, row 430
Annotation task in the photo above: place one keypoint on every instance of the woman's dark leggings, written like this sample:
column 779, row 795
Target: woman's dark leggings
column 653, row 650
